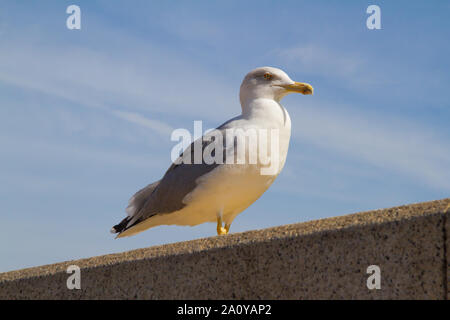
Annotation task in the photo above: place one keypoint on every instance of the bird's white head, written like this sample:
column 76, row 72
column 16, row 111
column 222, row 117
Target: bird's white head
column 270, row 83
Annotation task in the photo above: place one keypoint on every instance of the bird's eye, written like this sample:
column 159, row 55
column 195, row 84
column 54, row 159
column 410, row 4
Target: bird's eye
column 268, row 76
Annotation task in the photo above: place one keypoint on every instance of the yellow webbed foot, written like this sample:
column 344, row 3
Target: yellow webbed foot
column 221, row 230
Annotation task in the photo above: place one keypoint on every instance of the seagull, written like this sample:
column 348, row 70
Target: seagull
column 193, row 193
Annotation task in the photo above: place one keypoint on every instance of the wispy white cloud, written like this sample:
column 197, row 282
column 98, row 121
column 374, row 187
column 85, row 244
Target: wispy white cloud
column 367, row 72
column 351, row 68
column 55, row 153
column 314, row 58
column 158, row 126
column 159, row 81
column 394, row 144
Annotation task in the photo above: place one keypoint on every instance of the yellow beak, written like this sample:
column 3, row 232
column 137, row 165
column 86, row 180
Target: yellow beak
column 303, row 88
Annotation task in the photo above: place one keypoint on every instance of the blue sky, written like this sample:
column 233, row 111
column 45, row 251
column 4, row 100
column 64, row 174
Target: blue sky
column 86, row 115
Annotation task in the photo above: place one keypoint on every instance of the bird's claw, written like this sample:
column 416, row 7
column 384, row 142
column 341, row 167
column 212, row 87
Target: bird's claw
column 221, row 230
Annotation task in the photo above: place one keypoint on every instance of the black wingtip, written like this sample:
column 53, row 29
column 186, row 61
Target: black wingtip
column 118, row 228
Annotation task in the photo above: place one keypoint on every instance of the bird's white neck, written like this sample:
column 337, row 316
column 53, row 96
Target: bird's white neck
column 267, row 109
column 269, row 114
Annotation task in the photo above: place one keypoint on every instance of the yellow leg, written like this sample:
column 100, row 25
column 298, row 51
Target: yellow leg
column 221, row 230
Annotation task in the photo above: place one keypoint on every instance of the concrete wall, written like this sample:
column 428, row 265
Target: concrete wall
column 323, row 259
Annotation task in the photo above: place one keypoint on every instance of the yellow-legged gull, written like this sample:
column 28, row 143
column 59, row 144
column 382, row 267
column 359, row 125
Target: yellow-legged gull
column 193, row 193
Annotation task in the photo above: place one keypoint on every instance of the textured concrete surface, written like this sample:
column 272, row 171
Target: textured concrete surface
column 322, row 259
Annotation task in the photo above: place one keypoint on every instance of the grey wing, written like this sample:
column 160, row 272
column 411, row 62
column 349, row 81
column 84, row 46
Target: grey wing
column 139, row 199
column 179, row 180
column 166, row 195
